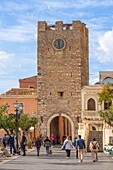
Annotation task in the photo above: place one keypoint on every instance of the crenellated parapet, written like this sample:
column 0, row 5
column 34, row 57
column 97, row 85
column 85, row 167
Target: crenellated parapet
column 59, row 25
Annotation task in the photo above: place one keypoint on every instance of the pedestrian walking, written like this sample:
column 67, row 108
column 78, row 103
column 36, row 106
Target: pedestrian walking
column 11, row 142
column 38, row 143
column 94, row 146
column 23, row 144
column 67, row 146
column 76, row 150
column 47, row 145
column 80, row 144
column 53, row 139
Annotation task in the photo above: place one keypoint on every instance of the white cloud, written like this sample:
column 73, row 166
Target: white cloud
column 5, row 59
column 3, row 56
column 18, row 33
column 40, row 5
column 101, row 55
column 13, row 6
column 12, row 68
column 106, row 47
column 74, row 4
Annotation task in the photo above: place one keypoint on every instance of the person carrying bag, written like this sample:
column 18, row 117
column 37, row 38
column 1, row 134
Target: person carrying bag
column 67, row 146
column 94, row 146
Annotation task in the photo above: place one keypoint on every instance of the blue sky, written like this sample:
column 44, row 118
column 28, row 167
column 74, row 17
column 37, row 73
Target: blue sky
column 18, row 34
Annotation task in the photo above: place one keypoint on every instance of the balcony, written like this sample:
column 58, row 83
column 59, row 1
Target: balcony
column 89, row 114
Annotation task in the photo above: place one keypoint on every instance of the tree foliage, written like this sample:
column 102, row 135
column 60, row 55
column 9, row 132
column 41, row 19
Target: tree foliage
column 25, row 121
column 106, row 96
column 107, row 115
column 34, row 121
column 8, row 121
column 2, row 109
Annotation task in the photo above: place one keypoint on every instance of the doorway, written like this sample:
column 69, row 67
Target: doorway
column 61, row 127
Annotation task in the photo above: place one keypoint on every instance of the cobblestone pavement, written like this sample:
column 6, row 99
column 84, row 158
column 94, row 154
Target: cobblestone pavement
column 57, row 161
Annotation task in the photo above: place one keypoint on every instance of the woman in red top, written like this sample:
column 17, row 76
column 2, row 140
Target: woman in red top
column 53, row 139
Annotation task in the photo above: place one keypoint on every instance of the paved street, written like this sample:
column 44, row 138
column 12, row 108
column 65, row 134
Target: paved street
column 57, row 161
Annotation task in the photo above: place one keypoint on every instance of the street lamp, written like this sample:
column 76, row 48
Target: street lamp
column 7, row 107
column 18, row 109
column 34, row 115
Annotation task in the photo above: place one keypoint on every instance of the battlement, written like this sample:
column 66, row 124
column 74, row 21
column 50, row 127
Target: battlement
column 59, row 25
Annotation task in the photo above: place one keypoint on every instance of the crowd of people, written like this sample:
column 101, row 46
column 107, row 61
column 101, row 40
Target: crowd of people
column 80, row 148
column 11, row 142
column 79, row 145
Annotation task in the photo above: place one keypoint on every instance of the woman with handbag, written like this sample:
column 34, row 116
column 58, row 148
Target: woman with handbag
column 67, row 146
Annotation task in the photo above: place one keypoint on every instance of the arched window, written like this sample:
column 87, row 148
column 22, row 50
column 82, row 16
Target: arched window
column 108, row 80
column 91, row 104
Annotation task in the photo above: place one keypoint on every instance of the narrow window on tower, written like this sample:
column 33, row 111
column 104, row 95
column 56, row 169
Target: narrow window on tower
column 69, row 48
column 71, row 74
column 60, row 94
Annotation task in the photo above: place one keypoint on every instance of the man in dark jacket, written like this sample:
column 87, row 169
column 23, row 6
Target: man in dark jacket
column 80, row 144
column 11, row 142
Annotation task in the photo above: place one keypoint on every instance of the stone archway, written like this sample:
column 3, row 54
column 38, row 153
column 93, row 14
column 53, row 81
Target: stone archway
column 65, row 116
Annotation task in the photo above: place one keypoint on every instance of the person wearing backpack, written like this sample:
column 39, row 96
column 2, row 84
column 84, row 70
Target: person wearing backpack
column 94, row 146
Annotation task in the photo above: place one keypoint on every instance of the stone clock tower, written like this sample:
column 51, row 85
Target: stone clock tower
column 63, row 70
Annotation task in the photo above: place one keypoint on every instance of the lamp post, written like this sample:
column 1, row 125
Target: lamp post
column 18, row 109
column 34, row 115
column 7, row 107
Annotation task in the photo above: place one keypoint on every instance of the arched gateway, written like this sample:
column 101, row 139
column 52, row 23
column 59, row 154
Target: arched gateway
column 62, row 125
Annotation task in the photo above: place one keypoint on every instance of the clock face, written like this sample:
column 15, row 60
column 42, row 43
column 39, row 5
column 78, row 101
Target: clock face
column 59, row 43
